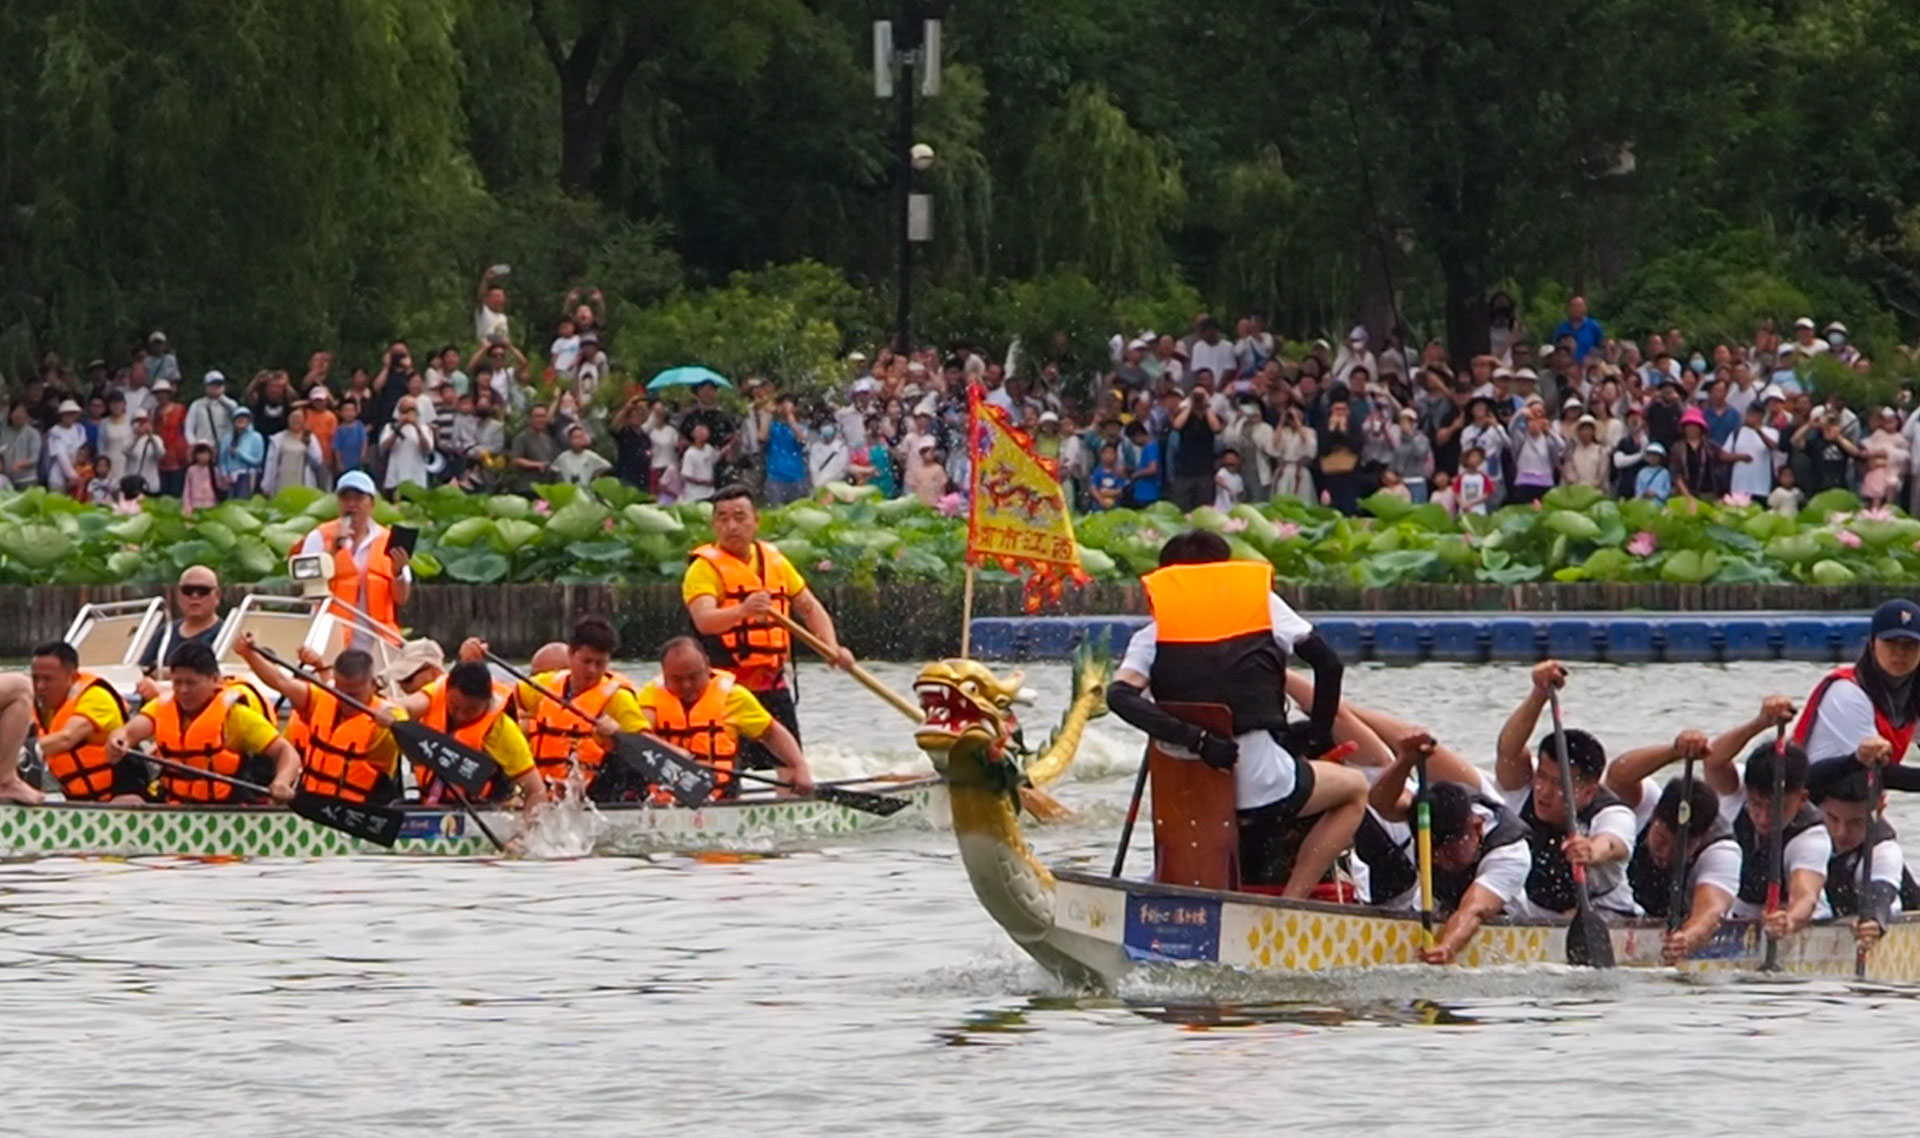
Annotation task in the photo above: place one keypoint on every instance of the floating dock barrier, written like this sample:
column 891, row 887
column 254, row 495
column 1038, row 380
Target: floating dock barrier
column 1472, row 638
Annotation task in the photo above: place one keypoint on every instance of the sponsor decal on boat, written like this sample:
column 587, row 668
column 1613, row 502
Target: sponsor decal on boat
column 1172, row 928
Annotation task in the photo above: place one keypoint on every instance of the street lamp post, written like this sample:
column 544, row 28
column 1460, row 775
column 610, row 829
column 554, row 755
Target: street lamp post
column 902, row 45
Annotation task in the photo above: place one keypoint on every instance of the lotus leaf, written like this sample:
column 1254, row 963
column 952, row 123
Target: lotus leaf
column 511, row 534
column 479, row 567
column 35, row 546
column 1831, row 573
column 466, row 531
column 1568, row 524
column 578, row 520
column 131, row 529
column 652, row 519
column 509, row 506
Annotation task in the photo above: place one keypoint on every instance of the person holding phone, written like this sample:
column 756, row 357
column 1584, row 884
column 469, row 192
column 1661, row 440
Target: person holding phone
column 369, row 567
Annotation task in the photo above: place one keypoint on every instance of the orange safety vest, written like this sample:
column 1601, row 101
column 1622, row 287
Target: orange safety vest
column 346, row 580
column 560, row 737
column 702, row 730
column 473, row 735
column 200, row 743
column 85, row 773
column 755, row 649
column 336, row 752
column 1213, row 634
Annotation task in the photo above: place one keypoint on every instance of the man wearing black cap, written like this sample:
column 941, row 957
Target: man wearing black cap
column 1874, row 697
column 1841, row 789
column 1481, row 861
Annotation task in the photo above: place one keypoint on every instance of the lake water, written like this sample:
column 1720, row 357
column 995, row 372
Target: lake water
column 858, row 989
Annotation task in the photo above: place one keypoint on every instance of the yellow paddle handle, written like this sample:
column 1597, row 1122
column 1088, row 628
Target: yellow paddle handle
column 867, row 679
column 1424, row 841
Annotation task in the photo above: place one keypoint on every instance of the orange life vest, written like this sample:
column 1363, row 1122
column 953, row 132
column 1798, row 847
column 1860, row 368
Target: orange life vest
column 200, row 742
column 336, row 752
column 756, row 649
column 473, row 735
column 560, row 737
column 85, row 773
column 701, row 729
column 1213, row 629
column 346, row 580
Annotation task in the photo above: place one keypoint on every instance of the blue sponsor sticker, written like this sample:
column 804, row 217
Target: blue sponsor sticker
column 1172, row 928
column 433, row 825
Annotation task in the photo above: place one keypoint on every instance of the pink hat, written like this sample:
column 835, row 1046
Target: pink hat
column 1695, row 417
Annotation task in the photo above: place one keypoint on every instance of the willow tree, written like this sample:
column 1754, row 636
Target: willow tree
column 1103, row 195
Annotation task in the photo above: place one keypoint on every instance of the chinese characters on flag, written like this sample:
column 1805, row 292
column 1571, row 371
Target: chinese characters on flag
column 1018, row 512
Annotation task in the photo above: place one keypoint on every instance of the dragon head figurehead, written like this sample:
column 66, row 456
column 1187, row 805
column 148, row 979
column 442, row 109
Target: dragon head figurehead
column 969, row 717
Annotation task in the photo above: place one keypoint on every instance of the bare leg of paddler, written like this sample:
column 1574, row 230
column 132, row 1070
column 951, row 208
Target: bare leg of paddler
column 1339, row 798
column 16, row 720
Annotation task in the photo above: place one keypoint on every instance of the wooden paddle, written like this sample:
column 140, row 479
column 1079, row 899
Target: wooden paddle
column 1865, row 885
column 1776, row 843
column 1588, row 942
column 1038, row 802
column 1423, row 839
column 464, row 769
column 377, row 824
column 867, row 679
column 1677, row 895
column 1133, row 815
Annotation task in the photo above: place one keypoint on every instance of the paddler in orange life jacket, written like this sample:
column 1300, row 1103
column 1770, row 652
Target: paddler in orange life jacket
column 368, row 573
column 560, row 738
column 1874, row 697
column 467, row 705
column 345, row 753
column 1220, row 635
column 203, row 723
column 75, row 711
column 704, row 712
column 730, row 588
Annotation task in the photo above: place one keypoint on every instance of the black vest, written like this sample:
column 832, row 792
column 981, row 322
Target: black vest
column 1550, row 882
column 1391, row 868
column 1247, row 673
column 1755, row 852
column 1449, row 888
column 1652, row 883
column 1843, row 875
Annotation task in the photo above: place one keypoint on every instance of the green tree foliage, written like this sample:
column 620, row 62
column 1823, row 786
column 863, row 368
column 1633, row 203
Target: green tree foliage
column 260, row 178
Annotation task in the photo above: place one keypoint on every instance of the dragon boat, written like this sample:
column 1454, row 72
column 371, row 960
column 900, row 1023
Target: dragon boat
column 751, row 821
column 1093, row 929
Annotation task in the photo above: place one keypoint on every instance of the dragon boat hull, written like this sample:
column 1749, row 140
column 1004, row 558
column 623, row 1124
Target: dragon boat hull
column 1104, row 928
column 752, row 821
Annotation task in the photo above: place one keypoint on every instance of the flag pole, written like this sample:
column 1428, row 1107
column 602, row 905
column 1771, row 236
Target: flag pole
column 966, row 617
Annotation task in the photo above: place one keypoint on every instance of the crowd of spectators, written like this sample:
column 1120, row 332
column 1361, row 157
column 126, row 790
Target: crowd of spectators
column 1199, row 418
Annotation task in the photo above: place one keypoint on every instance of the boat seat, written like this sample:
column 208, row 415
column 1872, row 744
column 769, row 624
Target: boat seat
column 1196, row 831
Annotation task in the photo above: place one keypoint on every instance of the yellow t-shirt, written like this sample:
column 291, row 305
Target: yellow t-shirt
column 507, row 745
column 99, row 708
column 621, row 706
column 743, row 712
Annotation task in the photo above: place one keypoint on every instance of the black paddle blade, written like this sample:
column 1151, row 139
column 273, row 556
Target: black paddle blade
column 1588, row 943
column 455, row 762
column 884, row 805
column 377, row 824
column 690, row 783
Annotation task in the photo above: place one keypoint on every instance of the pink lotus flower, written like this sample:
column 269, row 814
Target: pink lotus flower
column 606, row 526
column 543, row 507
column 1737, row 500
column 1150, row 535
column 1287, row 531
column 952, row 505
column 1848, row 538
column 1879, row 514
column 1643, row 544
column 1235, row 525
column 823, row 565
column 1537, row 504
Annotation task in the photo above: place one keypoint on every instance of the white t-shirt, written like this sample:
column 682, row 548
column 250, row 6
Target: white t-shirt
column 565, row 353
column 665, row 443
column 1228, row 489
column 1842, row 722
column 1753, row 478
column 1218, row 358
column 1503, row 872
column 1811, row 851
column 486, row 322
column 1264, row 773
column 698, row 463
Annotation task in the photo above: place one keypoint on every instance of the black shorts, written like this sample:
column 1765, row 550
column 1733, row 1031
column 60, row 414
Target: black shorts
column 1270, row 835
column 779, row 704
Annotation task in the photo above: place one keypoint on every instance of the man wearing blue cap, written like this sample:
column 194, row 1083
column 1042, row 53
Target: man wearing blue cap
column 369, row 572
column 1875, row 698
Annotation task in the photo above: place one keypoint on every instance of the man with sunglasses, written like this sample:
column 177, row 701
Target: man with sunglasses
column 197, row 599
